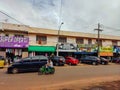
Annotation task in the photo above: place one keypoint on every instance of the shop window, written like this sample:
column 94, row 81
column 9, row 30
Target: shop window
column 79, row 40
column 7, row 35
column 62, row 39
column 41, row 39
column 89, row 41
column 19, row 35
column 114, row 42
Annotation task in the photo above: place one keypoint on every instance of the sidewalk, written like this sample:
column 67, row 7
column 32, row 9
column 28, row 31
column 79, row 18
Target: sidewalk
column 6, row 66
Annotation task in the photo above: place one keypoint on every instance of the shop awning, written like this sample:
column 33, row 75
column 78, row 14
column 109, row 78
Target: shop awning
column 42, row 48
column 85, row 52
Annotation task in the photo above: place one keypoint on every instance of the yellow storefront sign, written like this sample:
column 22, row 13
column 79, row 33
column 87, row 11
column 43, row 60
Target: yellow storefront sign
column 106, row 51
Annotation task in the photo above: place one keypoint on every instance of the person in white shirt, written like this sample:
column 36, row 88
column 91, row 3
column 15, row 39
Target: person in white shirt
column 49, row 64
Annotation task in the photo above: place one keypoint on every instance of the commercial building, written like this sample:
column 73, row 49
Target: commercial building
column 28, row 41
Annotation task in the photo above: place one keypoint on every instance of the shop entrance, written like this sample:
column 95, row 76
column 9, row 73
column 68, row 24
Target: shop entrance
column 13, row 54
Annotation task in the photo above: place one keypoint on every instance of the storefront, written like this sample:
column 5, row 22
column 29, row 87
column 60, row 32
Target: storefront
column 116, row 51
column 41, row 50
column 106, row 51
column 11, row 46
column 67, row 49
column 86, row 50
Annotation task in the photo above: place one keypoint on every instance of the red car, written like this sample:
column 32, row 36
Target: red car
column 71, row 61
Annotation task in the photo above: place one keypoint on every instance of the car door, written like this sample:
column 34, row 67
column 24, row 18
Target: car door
column 55, row 60
column 67, row 60
column 24, row 64
column 86, row 60
column 89, row 59
column 82, row 59
column 35, row 63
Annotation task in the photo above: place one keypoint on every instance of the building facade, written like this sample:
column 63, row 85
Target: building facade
column 37, row 41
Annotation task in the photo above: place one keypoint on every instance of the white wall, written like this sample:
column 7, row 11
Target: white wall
column 85, row 41
column 119, row 43
column 106, row 42
column 32, row 39
column 52, row 40
column 71, row 40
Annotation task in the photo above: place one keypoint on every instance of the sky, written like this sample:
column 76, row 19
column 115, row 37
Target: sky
column 77, row 15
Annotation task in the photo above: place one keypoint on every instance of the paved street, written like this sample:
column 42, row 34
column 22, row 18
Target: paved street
column 24, row 81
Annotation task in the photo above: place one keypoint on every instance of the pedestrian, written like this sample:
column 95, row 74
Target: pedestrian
column 9, row 60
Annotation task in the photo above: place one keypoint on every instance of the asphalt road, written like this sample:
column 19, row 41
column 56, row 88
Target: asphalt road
column 62, row 74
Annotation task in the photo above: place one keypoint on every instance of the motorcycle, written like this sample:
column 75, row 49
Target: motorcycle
column 44, row 71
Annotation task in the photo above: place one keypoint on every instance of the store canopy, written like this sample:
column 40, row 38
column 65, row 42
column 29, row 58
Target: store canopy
column 42, row 48
column 85, row 52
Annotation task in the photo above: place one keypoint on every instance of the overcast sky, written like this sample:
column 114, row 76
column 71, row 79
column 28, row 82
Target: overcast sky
column 77, row 15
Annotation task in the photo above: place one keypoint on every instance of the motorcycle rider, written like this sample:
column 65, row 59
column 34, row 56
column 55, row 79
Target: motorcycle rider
column 49, row 64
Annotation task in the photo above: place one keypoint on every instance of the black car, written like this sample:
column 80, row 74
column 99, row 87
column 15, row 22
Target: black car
column 104, row 61
column 58, row 60
column 28, row 64
column 90, row 60
column 114, row 60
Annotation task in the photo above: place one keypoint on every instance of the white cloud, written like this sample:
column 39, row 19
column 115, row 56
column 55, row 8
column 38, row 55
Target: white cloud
column 77, row 15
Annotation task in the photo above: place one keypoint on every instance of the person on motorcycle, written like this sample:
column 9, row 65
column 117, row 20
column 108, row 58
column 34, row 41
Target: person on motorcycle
column 47, row 68
column 49, row 64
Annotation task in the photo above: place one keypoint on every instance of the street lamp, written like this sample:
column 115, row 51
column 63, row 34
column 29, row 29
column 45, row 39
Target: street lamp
column 58, row 38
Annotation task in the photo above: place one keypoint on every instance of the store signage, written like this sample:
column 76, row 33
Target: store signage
column 67, row 47
column 87, row 47
column 14, row 42
column 106, row 51
column 106, row 54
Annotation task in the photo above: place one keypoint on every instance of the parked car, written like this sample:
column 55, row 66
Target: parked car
column 114, row 60
column 104, row 61
column 28, row 64
column 2, row 61
column 58, row 60
column 90, row 60
column 118, row 61
column 71, row 61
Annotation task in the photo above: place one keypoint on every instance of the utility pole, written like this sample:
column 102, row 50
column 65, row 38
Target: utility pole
column 58, row 38
column 98, row 39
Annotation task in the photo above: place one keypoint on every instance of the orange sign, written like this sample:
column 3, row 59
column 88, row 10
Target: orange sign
column 106, row 53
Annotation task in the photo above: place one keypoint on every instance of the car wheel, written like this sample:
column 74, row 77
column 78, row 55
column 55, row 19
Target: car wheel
column 70, row 64
column 94, row 63
column 15, row 70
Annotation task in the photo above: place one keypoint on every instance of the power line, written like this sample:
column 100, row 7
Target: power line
column 111, row 28
column 11, row 17
column 15, row 19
